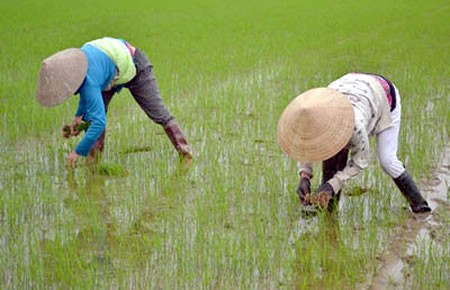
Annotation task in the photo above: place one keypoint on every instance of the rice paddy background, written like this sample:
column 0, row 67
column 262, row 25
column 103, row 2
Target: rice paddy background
column 226, row 70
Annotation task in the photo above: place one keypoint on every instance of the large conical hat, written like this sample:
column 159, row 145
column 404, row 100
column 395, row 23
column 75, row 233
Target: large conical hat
column 316, row 125
column 60, row 76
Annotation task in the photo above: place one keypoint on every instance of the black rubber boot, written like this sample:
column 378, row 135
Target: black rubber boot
column 409, row 190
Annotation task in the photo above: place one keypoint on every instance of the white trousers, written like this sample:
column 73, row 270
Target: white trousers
column 387, row 143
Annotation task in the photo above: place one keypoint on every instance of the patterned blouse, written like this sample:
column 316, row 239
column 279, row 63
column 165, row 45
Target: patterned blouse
column 372, row 116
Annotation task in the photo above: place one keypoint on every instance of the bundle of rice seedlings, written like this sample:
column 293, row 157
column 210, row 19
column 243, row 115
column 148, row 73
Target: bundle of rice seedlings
column 67, row 131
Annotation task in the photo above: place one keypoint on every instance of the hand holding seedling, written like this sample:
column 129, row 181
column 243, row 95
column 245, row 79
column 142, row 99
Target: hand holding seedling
column 71, row 160
column 74, row 129
column 321, row 197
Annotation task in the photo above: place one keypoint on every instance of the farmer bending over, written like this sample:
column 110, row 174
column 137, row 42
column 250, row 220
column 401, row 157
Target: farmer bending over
column 96, row 72
column 325, row 124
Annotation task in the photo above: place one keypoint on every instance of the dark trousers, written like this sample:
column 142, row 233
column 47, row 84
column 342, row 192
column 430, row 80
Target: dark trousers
column 144, row 89
column 334, row 164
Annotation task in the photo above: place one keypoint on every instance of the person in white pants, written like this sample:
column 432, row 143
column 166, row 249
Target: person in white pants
column 329, row 124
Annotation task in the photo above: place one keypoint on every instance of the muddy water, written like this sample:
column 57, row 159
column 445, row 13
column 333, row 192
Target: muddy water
column 393, row 261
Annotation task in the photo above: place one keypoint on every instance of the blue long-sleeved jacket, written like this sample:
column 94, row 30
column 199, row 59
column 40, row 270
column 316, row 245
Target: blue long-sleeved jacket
column 101, row 71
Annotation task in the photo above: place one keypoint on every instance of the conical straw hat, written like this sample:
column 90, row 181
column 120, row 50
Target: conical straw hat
column 60, row 76
column 316, row 125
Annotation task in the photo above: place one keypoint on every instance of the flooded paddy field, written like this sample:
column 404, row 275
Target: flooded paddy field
column 231, row 219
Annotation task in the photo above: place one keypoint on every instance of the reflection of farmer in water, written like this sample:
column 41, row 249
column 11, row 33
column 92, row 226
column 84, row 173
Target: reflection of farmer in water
column 96, row 72
column 325, row 124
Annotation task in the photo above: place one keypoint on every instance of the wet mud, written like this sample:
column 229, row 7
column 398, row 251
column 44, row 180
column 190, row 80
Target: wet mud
column 137, row 150
column 392, row 271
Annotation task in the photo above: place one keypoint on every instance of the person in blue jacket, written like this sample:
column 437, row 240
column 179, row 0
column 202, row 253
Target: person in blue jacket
column 96, row 71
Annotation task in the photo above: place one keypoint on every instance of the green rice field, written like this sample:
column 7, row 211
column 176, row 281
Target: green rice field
column 230, row 220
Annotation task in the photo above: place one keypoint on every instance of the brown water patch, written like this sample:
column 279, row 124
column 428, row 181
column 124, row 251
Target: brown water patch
column 390, row 273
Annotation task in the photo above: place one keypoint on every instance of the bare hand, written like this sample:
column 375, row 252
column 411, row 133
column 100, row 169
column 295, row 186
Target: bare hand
column 75, row 122
column 71, row 160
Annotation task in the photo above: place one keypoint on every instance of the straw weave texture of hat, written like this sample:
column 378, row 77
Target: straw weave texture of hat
column 316, row 125
column 60, row 75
